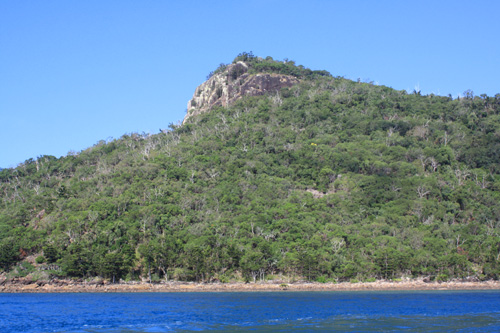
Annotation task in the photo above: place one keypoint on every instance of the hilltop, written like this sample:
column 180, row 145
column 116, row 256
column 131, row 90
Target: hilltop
column 277, row 172
column 246, row 76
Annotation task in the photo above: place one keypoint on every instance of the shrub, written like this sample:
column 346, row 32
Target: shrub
column 321, row 279
column 23, row 269
column 40, row 259
column 442, row 278
column 224, row 278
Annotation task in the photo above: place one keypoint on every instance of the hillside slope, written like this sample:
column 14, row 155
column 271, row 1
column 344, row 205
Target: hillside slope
column 326, row 178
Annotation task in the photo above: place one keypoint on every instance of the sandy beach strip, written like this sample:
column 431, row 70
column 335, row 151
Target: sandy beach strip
column 68, row 286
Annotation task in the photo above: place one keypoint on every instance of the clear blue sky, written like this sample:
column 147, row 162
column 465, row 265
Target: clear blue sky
column 76, row 72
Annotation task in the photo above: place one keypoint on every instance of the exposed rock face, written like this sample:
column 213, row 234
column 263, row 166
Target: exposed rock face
column 222, row 89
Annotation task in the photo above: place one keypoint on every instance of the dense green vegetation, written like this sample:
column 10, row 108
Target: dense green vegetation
column 269, row 65
column 329, row 179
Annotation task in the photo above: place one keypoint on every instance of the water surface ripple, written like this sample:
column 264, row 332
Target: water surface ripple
column 424, row 311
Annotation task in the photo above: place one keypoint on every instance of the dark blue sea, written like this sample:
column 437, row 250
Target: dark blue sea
column 421, row 311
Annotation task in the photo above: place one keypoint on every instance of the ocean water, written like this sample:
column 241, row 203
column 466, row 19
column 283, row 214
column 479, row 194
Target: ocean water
column 416, row 311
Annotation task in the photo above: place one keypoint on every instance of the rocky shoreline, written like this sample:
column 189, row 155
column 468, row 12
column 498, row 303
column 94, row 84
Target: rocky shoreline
column 79, row 286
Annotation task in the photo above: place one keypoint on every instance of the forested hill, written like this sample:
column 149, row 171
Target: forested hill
column 325, row 178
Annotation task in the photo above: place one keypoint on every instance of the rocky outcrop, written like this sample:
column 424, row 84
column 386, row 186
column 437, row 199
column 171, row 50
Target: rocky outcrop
column 224, row 88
